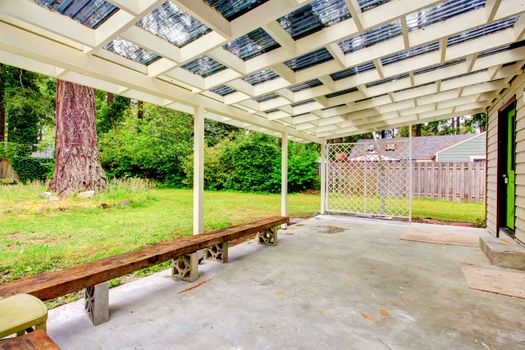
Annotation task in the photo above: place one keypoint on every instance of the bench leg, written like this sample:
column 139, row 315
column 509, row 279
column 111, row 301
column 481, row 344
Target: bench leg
column 186, row 267
column 96, row 303
column 219, row 252
column 268, row 237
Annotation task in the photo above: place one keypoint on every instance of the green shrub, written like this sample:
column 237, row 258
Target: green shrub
column 252, row 163
column 33, row 169
column 153, row 148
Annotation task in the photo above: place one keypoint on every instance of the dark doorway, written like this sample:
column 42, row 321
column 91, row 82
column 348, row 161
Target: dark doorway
column 506, row 168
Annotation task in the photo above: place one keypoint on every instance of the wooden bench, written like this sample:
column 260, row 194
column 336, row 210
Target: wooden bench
column 37, row 340
column 94, row 276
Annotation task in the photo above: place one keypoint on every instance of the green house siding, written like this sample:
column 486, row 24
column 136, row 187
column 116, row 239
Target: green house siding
column 464, row 151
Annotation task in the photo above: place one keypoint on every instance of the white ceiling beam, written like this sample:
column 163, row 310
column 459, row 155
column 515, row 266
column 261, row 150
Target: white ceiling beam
column 492, row 7
column 355, row 11
column 207, row 15
column 404, row 27
column 281, row 36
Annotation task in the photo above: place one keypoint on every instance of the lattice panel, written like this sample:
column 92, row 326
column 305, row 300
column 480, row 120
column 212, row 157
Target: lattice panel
column 369, row 178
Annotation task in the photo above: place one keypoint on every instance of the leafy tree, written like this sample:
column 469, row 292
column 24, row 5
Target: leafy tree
column 28, row 103
column 153, row 148
column 111, row 110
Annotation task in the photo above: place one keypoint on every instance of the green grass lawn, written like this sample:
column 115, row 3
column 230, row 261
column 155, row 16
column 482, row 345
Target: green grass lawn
column 37, row 235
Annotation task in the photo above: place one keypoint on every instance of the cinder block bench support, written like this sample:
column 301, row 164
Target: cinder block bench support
column 186, row 267
column 219, row 252
column 268, row 237
column 96, row 303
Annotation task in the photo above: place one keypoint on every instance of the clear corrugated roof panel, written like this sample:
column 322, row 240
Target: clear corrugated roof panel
column 481, row 31
column 131, row 51
column 441, row 12
column 439, row 66
column 370, row 4
column 410, row 53
column 252, row 44
column 502, row 48
column 352, row 71
column 204, row 66
column 231, row 9
column 300, row 103
column 172, row 24
column 371, row 37
column 310, row 59
column 223, row 90
column 266, row 97
column 260, row 77
column 342, row 92
column 305, row 85
column 387, row 80
column 90, row 13
column 466, row 74
column 313, row 17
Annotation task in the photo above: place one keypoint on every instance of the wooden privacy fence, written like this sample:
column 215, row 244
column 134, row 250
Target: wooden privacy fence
column 6, row 170
column 452, row 181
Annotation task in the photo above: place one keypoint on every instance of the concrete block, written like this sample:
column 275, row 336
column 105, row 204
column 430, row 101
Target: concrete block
column 186, row 267
column 268, row 237
column 504, row 253
column 219, row 252
column 96, row 303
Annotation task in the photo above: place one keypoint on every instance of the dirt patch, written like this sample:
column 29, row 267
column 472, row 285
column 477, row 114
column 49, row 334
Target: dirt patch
column 367, row 316
column 384, row 313
column 328, row 230
column 439, row 222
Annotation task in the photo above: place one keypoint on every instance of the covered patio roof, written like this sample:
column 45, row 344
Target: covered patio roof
column 314, row 70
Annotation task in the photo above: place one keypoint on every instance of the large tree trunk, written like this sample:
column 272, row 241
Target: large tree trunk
column 77, row 165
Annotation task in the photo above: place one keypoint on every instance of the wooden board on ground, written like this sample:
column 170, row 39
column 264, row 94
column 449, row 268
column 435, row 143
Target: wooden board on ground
column 30, row 341
column 495, row 281
column 469, row 240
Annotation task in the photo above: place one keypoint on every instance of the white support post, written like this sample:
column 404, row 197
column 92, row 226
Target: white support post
column 323, row 178
column 410, row 180
column 198, row 170
column 284, row 175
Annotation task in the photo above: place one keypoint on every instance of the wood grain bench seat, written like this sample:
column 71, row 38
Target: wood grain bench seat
column 93, row 276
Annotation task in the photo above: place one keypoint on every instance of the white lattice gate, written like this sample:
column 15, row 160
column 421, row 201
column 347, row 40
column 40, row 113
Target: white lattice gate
column 369, row 178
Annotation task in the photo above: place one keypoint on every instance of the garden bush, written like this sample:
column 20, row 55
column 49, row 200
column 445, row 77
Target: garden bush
column 33, row 169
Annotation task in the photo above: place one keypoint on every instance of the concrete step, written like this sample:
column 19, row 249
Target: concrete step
column 503, row 252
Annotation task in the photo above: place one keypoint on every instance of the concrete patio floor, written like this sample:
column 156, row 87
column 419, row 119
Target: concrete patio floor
column 331, row 283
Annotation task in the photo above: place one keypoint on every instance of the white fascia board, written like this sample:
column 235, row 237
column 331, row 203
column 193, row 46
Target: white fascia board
column 35, row 15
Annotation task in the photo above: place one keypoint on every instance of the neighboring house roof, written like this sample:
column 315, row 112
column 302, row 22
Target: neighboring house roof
column 425, row 147
column 47, row 153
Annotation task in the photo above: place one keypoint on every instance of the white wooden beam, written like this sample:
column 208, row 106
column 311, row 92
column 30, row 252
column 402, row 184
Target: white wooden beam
column 198, row 170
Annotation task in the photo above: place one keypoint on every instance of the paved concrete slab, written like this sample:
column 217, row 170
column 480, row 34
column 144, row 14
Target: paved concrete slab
column 330, row 283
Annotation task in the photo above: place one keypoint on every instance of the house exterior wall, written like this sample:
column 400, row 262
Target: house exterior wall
column 463, row 151
column 516, row 88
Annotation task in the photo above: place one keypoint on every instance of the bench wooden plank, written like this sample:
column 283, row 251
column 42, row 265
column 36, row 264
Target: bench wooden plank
column 51, row 285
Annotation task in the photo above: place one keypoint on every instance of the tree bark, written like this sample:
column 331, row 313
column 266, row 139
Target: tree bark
column 110, row 98
column 2, row 106
column 77, row 163
column 140, row 110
